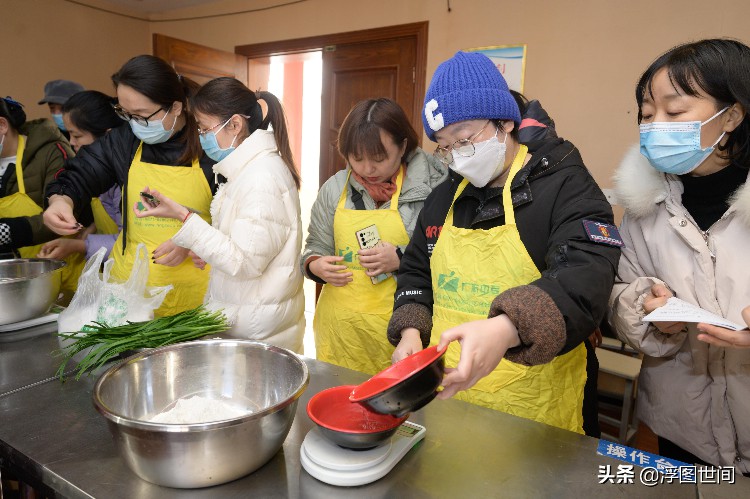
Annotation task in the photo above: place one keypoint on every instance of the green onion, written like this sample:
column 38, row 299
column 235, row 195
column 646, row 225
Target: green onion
column 107, row 342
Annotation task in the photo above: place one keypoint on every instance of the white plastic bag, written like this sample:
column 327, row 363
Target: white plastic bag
column 104, row 300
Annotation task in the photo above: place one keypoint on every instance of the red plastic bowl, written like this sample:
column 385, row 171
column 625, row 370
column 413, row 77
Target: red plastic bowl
column 406, row 386
column 348, row 424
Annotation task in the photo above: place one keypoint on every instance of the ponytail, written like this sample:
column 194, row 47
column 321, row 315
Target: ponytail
column 225, row 97
column 193, row 143
column 277, row 120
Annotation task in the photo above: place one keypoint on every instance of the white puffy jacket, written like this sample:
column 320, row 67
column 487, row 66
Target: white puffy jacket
column 691, row 393
column 253, row 245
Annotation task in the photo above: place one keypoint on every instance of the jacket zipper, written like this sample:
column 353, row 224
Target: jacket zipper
column 706, row 235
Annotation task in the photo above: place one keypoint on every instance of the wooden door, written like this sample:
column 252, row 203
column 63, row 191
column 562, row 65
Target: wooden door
column 357, row 71
column 380, row 62
column 200, row 64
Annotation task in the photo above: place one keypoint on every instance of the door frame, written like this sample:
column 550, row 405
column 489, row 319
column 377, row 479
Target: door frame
column 418, row 31
column 165, row 47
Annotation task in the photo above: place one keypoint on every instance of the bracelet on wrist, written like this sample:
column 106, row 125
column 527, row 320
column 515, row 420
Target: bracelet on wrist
column 187, row 216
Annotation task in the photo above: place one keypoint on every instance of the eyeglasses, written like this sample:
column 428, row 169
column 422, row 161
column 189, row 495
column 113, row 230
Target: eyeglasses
column 204, row 132
column 462, row 147
column 124, row 115
column 201, row 131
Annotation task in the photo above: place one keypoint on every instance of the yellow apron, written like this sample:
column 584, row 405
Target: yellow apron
column 469, row 269
column 19, row 204
column 104, row 223
column 187, row 186
column 351, row 321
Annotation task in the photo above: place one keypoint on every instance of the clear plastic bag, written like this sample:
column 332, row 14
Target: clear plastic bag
column 104, row 300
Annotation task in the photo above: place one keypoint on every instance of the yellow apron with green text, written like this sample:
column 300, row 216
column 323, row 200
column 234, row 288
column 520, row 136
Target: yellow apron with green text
column 186, row 186
column 351, row 321
column 469, row 269
column 104, row 223
column 19, row 204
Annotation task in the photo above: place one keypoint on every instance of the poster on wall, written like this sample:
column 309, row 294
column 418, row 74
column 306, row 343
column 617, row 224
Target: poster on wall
column 510, row 60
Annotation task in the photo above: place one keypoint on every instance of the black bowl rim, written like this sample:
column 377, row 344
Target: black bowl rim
column 342, row 436
column 398, row 384
column 127, row 422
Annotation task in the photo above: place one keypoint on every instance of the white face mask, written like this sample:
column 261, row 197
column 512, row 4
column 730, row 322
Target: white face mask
column 485, row 165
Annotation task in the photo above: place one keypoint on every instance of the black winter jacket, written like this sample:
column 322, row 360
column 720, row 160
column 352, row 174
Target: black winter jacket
column 552, row 194
column 107, row 161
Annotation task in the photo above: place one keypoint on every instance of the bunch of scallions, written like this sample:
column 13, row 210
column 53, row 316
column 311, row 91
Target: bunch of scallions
column 105, row 342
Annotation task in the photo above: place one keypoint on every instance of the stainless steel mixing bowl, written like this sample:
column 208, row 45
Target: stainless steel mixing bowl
column 250, row 375
column 28, row 287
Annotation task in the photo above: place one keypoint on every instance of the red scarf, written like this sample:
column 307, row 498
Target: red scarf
column 382, row 191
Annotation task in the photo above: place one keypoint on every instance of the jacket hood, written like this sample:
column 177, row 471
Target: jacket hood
column 549, row 156
column 639, row 188
column 536, row 124
column 39, row 133
column 422, row 169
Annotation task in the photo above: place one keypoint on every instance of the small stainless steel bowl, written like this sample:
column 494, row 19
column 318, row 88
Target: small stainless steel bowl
column 249, row 375
column 28, row 287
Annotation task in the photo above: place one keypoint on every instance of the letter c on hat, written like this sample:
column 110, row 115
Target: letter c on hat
column 435, row 121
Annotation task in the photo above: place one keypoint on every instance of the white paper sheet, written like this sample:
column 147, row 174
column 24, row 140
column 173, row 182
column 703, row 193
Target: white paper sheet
column 677, row 310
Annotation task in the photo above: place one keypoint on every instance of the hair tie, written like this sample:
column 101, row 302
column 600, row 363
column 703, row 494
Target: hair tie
column 257, row 94
column 179, row 76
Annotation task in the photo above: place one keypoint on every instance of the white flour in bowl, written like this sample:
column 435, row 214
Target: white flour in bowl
column 198, row 409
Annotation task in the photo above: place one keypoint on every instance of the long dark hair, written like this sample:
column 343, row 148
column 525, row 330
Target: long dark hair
column 13, row 112
column 719, row 67
column 157, row 80
column 359, row 134
column 91, row 111
column 225, row 97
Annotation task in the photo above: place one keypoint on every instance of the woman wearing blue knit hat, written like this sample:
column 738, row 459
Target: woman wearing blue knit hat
column 525, row 258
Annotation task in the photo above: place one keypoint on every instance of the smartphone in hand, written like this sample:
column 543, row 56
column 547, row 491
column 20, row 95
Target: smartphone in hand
column 151, row 200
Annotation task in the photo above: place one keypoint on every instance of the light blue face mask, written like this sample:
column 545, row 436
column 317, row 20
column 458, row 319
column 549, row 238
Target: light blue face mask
column 59, row 122
column 211, row 146
column 675, row 147
column 1, row 144
column 154, row 133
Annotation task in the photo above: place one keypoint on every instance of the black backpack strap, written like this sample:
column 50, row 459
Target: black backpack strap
column 356, row 197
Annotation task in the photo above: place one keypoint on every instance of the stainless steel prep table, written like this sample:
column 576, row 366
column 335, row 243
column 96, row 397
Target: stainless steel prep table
column 52, row 434
column 28, row 358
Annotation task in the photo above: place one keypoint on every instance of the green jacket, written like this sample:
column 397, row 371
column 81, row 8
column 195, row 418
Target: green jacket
column 423, row 173
column 43, row 157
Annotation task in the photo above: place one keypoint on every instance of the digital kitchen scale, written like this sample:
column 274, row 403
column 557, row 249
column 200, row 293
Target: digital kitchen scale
column 336, row 465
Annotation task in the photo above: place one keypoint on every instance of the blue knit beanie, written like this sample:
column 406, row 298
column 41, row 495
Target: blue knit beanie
column 467, row 86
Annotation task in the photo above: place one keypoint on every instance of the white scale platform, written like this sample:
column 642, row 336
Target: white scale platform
column 335, row 465
column 28, row 328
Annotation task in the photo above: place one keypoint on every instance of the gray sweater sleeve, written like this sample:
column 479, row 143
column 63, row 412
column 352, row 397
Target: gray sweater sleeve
column 319, row 240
